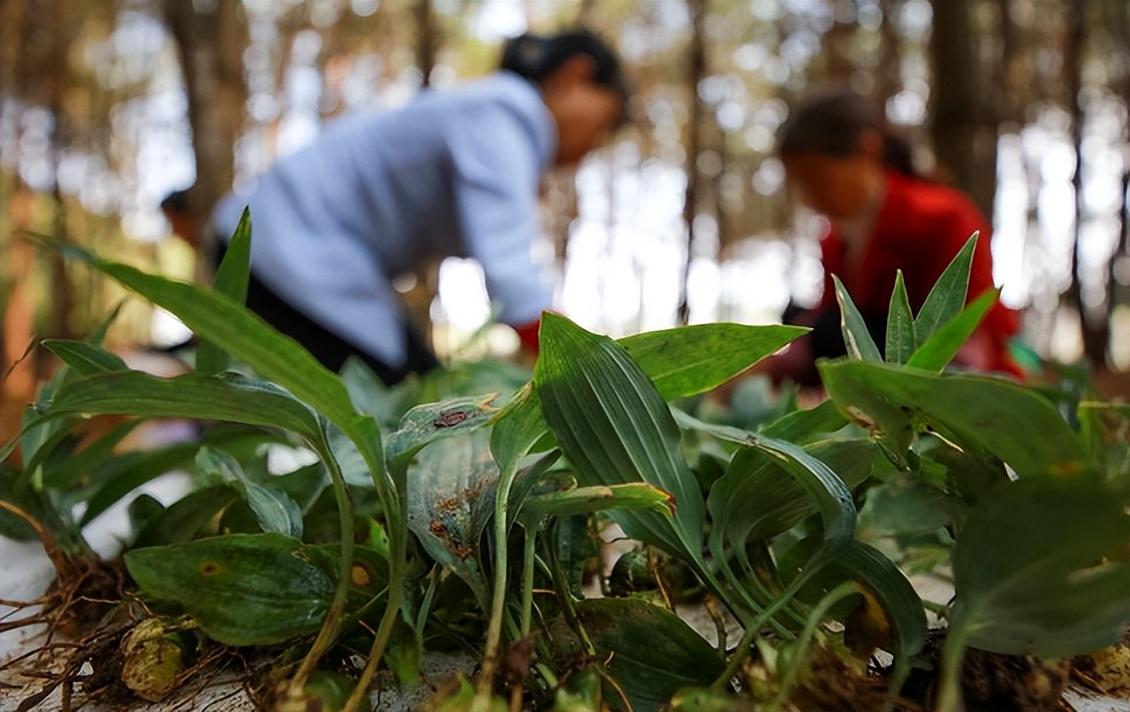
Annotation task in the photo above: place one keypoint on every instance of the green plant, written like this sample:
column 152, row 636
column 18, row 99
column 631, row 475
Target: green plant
column 401, row 538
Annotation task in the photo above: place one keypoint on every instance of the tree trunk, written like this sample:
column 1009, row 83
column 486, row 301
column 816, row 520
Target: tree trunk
column 835, row 51
column 696, row 71
column 964, row 122
column 890, row 53
column 62, row 296
column 1119, row 294
column 426, row 41
column 1092, row 321
column 210, row 44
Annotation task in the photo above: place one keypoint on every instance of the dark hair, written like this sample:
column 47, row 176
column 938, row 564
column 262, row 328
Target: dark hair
column 832, row 123
column 535, row 57
column 176, row 202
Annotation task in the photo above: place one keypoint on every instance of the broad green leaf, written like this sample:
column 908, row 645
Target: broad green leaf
column 883, row 580
column 371, row 396
column 861, row 405
column 981, row 413
column 908, row 505
column 451, row 486
column 303, row 486
column 142, row 510
column 432, row 421
column 243, row 589
column 85, row 358
column 615, row 428
column 936, row 352
column 218, row 318
column 275, row 511
column 186, row 517
column 232, row 278
column 537, row 478
column 37, row 438
column 651, row 652
column 230, row 397
column 804, row 426
column 947, row 297
column 694, row 359
column 857, row 338
column 123, row 474
column 969, row 474
column 585, row 500
column 517, row 429
column 819, row 482
column 1040, row 567
column 901, row 340
column 758, row 498
column 77, row 468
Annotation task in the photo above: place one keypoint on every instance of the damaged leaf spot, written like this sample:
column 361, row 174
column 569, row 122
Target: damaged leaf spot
column 359, row 576
column 861, row 418
column 209, row 568
column 450, row 418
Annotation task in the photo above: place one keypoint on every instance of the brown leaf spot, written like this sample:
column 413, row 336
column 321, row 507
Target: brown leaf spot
column 359, row 576
column 450, row 418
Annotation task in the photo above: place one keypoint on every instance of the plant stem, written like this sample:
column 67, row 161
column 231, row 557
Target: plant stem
column 332, row 623
column 566, row 595
column 498, row 595
column 398, row 544
column 528, row 580
column 814, row 617
column 753, row 629
column 949, row 694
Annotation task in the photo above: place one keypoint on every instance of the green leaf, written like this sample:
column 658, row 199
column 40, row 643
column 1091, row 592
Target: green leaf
column 947, row 297
column 118, row 477
column 882, row 579
column 232, row 278
column 274, row 510
column 429, row 422
column 804, row 426
column 901, row 339
column 758, row 498
column 908, row 505
column 652, row 653
column 451, row 486
column 1040, row 567
column 371, row 396
column 218, row 318
column 857, row 338
column 980, row 413
column 586, row 500
column 694, row 359
column 936, row 352
column 243, row 589
column 85, row 358
column 230, row 397
column 77, row 468
column 186, row 517
column 517, row 429
column 819, row 482
column 142, row 510
column 615, row 428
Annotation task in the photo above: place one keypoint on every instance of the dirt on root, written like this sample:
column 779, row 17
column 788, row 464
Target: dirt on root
column 1107, row 671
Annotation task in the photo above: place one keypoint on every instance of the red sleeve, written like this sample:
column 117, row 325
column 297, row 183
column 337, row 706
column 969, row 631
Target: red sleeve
column 528, row 335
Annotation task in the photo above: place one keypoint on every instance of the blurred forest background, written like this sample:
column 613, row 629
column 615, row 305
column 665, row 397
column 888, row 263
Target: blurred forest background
column 107, row 105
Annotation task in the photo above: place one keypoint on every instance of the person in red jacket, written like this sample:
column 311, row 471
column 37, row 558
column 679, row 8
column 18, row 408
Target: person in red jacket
column 843, row 161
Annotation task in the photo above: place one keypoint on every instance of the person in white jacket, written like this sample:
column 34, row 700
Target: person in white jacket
column 453, row 173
